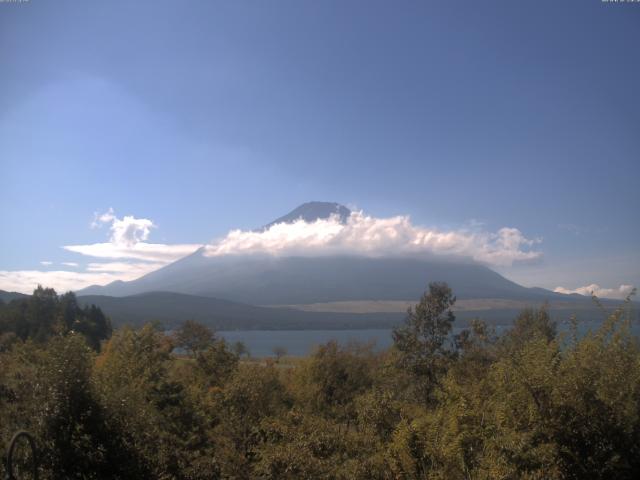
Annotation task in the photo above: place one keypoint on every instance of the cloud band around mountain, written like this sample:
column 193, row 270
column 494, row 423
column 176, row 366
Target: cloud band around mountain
column 129, row 255
column 365, row 235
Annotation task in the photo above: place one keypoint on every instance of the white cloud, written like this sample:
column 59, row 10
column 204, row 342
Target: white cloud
column 46, row 263
column 100, row 218
column 127, row 241
column 621, row 292
column 126, row 231
column 26, row 281
column 130, row 269
column 130, row 230
column 366, row 235
column 152, row 252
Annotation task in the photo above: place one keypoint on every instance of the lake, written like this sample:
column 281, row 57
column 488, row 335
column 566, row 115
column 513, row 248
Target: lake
column 301, row 342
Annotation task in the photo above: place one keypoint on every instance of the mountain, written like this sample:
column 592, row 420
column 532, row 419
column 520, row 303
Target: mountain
column 268, row 280
column 264, row 292
column 300, row 281
column 6, row 297
column 171, row 309
column 312, row 211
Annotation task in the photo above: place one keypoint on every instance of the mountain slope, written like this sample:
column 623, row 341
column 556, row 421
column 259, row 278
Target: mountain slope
column 272, row 280
column 262, row 280
column 6, row 297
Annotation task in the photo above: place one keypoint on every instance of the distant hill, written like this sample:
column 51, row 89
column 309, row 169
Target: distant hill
column 171, row 309
column 6, row 297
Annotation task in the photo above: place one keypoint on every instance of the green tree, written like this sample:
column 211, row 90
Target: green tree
column 48, row 390
column 423, row 344
column 217, row 363
column 253, row 393
column 240, row 349
column 45, row 314
column 41, row 313
column 301, row 445
column 160, row 422
column 530, row 323
column 328, row 382
column 194, row 337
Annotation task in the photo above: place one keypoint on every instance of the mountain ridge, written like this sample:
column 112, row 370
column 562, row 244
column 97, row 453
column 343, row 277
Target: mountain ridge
column 269, row 280
column 171, row 309
column 312, row 211
column 264, row 280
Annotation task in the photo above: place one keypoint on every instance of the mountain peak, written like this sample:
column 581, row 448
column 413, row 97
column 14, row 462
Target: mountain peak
column 312, row 211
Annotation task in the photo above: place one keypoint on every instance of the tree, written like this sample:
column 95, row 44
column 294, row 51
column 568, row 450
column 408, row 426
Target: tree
column 329, row 381
column 240, row 349
column 48, row 391
column 423, row 344
column 530, row 323
column 279, row 352
column 45, row 314
column 41, row 312
column 217, row 363
column 194, row 337
column 253, row 393
column 151, row 409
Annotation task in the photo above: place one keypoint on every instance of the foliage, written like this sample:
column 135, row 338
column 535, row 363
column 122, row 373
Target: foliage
column 193, row 337
column 279, row 352
column 240, row 349
column 423, row 341
column 529, row 404
column 329, row 381
column 45, row 314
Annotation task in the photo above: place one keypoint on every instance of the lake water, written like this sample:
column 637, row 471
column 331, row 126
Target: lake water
column 301, row 342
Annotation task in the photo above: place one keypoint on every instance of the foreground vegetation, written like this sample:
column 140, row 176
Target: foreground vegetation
column 529, row 404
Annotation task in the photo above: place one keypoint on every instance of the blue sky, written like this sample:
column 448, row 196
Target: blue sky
column 208, row 116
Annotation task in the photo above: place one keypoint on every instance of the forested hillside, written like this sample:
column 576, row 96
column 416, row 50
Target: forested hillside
column 44, row 314
column 529, row 404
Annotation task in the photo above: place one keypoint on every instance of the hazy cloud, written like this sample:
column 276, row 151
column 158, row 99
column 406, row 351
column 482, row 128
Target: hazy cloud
column 365, row 235
column 572, row 228
column 25, row 281
column 621, row 292
column 136, row 269
column 101, row 218
column 70, row 264
column 46, row 263
column 63, row 280
column 153, row 252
